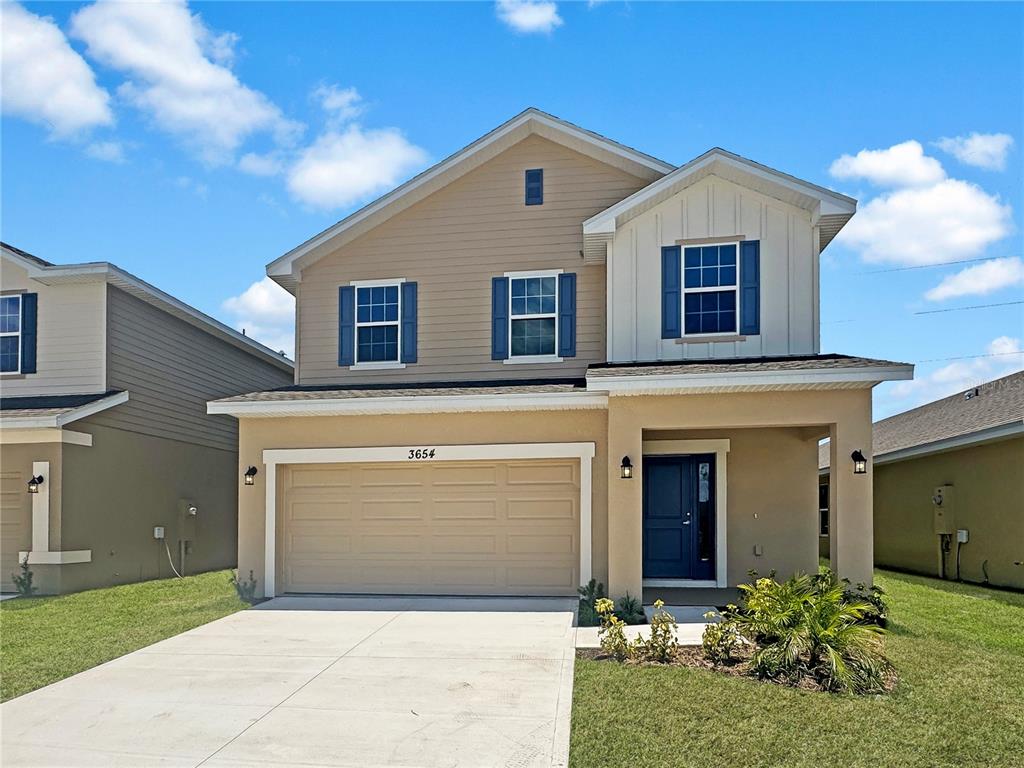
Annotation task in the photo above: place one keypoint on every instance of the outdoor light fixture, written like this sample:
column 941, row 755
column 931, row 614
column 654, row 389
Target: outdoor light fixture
column 250, row 476
column 860, row 464
column 627, row 468
column 34, row 483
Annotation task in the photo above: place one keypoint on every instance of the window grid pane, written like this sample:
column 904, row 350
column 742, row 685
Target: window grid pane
column 710, row 312
column 533, row 336
column 378, row 304
column 709, row 266
column 10, row 314
column 378, row 344
column 533, row 296
column 8, row 354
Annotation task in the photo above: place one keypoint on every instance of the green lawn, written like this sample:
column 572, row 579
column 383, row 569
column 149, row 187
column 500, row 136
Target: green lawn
column 960, row 653
column 45, row 639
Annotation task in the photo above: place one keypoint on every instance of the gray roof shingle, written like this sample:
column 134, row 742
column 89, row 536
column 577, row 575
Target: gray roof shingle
column 736, row 365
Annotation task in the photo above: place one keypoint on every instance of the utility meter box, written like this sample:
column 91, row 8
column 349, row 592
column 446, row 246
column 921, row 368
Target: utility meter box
column 944, row 521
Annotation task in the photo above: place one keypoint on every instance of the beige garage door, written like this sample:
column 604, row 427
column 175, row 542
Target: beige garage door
column 462, row 528
column 15, row 525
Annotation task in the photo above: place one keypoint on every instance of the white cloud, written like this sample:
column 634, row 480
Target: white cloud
column 345, row 166
column 266, row 312
column 342, row 104
column 199, row 188
column 44, row 80
column 110, row 151
column 949, row 220
column 901, row 165
column 177, row 73
column 261, row 165
column 528, row 16
column 980, row 279
column 1004, row 358
column 983, row 150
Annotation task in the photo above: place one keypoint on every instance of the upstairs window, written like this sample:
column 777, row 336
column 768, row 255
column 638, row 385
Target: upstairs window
column 377, row 325
column 532, row 319
column 535, row 186
column 710, row 301
column 10, row 334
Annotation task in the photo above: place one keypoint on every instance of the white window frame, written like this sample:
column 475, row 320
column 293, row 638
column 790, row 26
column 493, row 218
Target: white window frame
column 16, row 334
column 395, row 282
column 710, row 289
column 520, row 359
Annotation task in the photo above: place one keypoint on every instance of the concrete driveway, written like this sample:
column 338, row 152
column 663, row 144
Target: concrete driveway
column 320, row 682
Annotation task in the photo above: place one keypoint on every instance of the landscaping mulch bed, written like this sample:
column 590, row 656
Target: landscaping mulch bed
column 692, row 656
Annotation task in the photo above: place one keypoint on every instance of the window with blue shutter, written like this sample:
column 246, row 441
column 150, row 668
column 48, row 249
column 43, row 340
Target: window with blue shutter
column 29, row 324
column 709, row 283
column 11, row 326
column 567, row 314
column 671, row 293
column 499, row 318
column 346, row 325
column 750, row 287
column 409, row 329
column 535, row 186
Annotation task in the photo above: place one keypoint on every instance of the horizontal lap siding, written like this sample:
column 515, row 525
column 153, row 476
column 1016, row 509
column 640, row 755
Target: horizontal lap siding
column 452, row 244
column 171, row 369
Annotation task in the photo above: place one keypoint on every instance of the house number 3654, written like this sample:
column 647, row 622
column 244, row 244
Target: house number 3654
column 421, row 453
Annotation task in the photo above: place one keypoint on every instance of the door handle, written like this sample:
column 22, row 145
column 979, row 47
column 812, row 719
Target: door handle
column 686, row 522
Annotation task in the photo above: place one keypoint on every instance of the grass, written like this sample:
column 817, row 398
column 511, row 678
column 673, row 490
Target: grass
column 45, row 639
column 959, row 651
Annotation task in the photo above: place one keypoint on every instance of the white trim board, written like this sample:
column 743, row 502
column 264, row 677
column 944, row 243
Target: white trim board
column 43, row 435
column 411, row 404
column 719, row 447
column 505, row 451
column 59, row 420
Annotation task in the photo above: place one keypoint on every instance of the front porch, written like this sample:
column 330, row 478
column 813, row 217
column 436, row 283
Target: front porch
column 727, row 483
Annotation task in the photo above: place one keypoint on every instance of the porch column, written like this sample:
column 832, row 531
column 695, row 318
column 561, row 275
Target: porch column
column 851, row 522
column 625, row 501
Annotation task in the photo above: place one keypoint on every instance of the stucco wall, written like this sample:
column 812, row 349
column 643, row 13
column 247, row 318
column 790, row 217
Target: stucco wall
column 256, row 435
column 16, row 509
column 988, row 482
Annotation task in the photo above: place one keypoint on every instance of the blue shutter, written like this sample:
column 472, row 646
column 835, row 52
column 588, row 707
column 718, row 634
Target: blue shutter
column 347, row 325
column 29, row 312
column 671, row 293
column 409, row 310
column 567, row 314
column 750, row 287
column 535, row 187
column 499, row 318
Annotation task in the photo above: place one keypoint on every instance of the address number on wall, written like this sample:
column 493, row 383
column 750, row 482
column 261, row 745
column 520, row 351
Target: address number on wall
column 421, row 453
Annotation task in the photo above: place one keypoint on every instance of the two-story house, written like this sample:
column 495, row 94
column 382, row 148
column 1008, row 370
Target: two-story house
column 551, row 357
column 111, row 470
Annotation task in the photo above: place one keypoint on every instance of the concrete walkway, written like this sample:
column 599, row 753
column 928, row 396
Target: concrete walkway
column 320, row 682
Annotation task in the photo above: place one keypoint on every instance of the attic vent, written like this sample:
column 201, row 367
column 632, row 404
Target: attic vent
column 970, row 394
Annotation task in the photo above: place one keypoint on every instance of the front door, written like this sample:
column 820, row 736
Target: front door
column 679, row 517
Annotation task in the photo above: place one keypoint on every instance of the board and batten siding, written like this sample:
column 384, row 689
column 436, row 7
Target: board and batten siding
column 711, row 208
column 452, row 243
column 170, row 369
column 70, row 338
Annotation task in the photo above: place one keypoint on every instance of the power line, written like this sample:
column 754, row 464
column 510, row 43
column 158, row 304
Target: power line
column 969, row 357
column 928, row 266
column 961, row 309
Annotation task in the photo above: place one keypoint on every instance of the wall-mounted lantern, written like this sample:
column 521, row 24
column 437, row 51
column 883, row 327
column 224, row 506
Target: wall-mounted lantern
column 627, row 468
column 250, row 476
column 34, row 483
column 860, row 464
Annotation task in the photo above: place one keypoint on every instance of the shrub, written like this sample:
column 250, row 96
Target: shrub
column 23, row 580
column 811, row 626
column 246, row 589
column 720, row 639
column 875, row 597
column 631, row 610
column 661, row 646
column 611, row 634
column 587, row 616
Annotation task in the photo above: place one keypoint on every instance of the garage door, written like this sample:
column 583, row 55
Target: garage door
column 475, row 527
column 15, row 525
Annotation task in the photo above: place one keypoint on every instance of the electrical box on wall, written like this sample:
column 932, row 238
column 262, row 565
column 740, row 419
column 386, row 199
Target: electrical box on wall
column 158, row 532
column 942, row 510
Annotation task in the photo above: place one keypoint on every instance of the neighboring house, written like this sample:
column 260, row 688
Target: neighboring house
column 949, row 486
column 486, row 352
column 103, row 387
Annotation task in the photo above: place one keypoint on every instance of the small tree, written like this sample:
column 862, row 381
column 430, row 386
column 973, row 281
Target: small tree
column 23, row 581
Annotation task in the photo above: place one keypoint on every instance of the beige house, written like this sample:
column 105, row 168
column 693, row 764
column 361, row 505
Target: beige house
column 104, row 381
column 549, row 358
column 949, row 486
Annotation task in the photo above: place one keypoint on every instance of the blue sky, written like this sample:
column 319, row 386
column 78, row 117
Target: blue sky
column 193, row 144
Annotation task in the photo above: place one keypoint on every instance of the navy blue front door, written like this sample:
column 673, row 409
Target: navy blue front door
column 678, row 517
